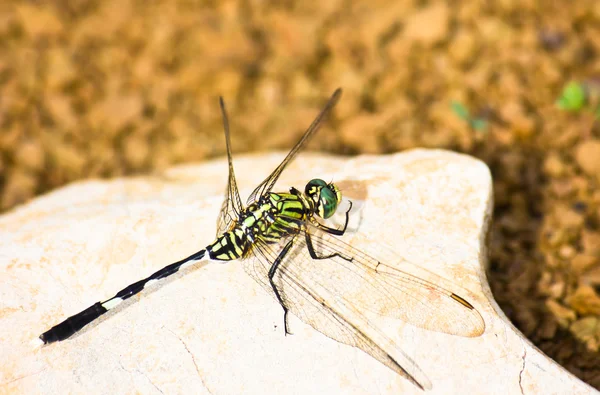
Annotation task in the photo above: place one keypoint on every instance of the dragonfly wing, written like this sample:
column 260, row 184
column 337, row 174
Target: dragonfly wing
column 382, row 282
column 232, row 204
column 313, row 303
column 269, row 182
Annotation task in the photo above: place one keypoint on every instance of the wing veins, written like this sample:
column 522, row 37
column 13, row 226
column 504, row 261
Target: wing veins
column 345, row 331
column 269, row 182
column 232, row 203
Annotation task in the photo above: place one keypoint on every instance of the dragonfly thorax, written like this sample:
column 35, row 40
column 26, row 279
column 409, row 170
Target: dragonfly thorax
column 276, row 215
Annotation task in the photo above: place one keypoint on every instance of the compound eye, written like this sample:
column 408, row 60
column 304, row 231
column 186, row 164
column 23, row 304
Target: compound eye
column 326, row 197
column 328, row 203
column 314, row 186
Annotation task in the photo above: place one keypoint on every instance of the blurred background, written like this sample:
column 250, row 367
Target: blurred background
column 118, row 87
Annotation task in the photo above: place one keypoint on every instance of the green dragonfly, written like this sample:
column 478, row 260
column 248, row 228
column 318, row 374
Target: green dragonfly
column 287, row 247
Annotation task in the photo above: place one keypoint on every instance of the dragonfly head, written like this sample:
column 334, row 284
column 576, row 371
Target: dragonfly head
column 326, row 197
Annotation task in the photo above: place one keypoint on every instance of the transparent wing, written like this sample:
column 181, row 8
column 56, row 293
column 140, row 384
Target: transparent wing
column 386, row 284
column 310, row 301
column 335, row 295
column 232, row 204
column 269, row 182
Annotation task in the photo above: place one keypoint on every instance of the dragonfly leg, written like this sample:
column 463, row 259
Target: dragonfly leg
column 314, row 255
column 335, row 231
column 272, row 271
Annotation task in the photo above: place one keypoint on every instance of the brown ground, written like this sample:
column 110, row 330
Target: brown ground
column 105, row 88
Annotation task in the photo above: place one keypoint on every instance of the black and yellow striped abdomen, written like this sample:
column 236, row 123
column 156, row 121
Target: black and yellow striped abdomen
column 272, row 217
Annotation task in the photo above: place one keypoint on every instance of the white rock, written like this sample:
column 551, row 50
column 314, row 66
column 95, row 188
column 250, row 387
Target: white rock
column 213, row 329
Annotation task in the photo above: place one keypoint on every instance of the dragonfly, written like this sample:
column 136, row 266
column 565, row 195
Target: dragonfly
column 287, row 245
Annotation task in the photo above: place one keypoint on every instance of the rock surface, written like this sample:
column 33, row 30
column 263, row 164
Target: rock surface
column 213, row 329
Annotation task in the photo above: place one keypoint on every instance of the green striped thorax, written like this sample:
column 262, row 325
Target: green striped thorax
column 326, row 197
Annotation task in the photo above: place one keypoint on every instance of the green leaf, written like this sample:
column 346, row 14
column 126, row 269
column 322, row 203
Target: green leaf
column 460, row 110
column 572, row 97
column 479, row 124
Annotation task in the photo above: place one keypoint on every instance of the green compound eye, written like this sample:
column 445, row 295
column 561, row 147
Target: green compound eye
column 328, row 203
column 326, row 197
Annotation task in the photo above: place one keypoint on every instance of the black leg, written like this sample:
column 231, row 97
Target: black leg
column 272, row 271
column 313, row 253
